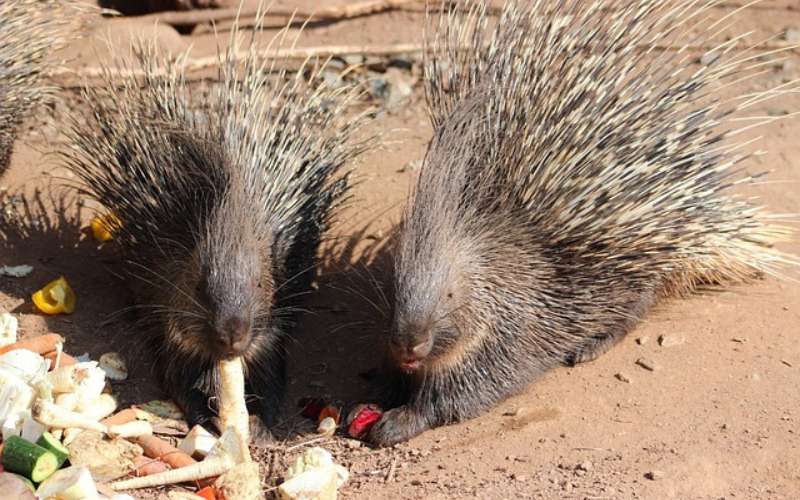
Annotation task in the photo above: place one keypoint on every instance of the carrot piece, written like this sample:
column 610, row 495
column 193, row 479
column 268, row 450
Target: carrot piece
column 66, row 359
column 155, row 447
column 40, row 345
column 146, row 466
column 329, row 411
column 119, row 418
column 208, row 493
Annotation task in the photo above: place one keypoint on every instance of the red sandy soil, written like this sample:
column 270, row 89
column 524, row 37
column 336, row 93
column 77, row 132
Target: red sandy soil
column 718, row 418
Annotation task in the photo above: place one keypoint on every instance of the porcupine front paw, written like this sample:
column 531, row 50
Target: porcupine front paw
column 396, row 426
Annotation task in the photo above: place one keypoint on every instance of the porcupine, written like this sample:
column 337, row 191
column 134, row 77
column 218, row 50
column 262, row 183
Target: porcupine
column 218, row 204
column 29, row 32
column 576, row 175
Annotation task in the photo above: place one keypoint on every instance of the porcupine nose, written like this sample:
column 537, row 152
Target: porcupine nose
column 234, row 335
column 411, row 350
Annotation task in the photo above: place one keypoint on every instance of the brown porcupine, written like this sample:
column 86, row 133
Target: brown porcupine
column 576, row 176
column 29, row 32
column 219, row 202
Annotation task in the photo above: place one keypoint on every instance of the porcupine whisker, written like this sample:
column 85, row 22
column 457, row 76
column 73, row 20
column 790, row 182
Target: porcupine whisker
column 167, row 281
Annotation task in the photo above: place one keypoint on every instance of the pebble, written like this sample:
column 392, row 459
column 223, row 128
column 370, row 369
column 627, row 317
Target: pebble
column 622, row 377
column 740, row 340
column 416, row 482
column 647, row 364
column 792, row 35
column 654, row 475
column 514, row 413
column 353, row 444
column 642, row 340
column 519, row 477
column 670, row 340
column 585, row 466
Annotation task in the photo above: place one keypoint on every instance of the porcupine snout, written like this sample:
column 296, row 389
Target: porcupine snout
column 233, row 334
column 410, row 344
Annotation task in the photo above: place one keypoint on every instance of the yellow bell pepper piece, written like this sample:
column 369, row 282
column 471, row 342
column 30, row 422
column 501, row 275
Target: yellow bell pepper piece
column 102, row 227
column 55, row 298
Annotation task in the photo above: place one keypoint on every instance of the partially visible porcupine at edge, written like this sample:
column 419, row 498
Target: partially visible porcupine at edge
column 29, row 31
column 218, row 202
column 576, row 176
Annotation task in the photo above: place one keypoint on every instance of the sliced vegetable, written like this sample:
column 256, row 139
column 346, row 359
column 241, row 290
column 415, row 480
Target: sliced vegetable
column 72, row 483
column 15, row 395
column 50, row 443
column 23, row 363
column 31, row 429
column 8, row 329
column 28, row 459
column 207, row 493
column 40, row 345
column 198, row 442
column 103, row 227
column 329, row 412
column 55, row 298
column 362, row 418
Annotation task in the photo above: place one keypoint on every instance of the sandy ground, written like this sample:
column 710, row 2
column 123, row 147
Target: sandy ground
column 719, row 417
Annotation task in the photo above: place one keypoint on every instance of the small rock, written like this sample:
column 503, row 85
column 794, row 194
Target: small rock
column 411, row 166
column 416, row 482
column 514, row 413
column 792, row 35
column 585, row 466
column 740, row 340
column 114, row 366
column 353, row 444
column 670, row 340
column 622, row 377
column 756, row 377
column 519, row 477
column 354, row 59
column 654, row 475
column 647, row 364
column 642, row 340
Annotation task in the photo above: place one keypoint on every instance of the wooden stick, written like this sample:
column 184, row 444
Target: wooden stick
column 344, row 12
column 302, row 53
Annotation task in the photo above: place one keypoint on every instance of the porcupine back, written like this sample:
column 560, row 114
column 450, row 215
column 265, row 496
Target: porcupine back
column 577, row 173
column 184, row 174
column 29, row 31
column 608, row 146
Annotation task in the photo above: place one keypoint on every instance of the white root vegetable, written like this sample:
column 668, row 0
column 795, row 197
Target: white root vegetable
column 53, row 415
column 68, row 401
column 99, row 407
column 232, row 406
column 134, row 428
column 66, row 378
column 198, row 442
column 72, row 483
column 211, row 467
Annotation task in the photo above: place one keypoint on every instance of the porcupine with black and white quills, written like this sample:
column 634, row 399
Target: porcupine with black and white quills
column 218, row 204
column 30, row 30
column 576, row 176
